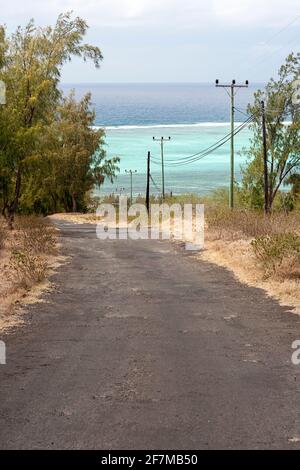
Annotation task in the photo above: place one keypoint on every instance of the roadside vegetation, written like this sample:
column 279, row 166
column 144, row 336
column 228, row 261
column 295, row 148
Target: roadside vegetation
column 261, row 242
column 28, row 253
column 262, row 250
column 51, row 155
column 52, row 158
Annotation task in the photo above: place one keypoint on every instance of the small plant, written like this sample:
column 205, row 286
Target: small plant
column 275, row 251
column 36, row 235
column 29, row 268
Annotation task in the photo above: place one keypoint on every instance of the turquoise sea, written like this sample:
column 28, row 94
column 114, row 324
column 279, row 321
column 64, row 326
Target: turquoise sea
column 195, row 116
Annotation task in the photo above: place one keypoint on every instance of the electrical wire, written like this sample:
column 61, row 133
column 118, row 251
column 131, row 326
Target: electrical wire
column 155, row 185
column 198, row 156
column 242, row 112
column 267, row 111
column 215, row 148
column 260, row 58
column 221, row 141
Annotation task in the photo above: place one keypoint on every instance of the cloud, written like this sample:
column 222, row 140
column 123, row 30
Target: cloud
column 270, row 13
column 179, row 36
column 187, row 14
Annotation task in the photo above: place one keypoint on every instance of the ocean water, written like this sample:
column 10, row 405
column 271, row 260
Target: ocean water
column 195, row 116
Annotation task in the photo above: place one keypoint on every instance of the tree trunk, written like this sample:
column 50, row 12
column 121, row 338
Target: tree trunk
column 11, row 210
column 10, row 220
column 4, row 209
column 54, row 202
column 74, row 203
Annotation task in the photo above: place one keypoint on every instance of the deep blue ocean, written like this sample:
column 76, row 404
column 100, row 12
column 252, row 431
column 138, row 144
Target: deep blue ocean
column 195, row 116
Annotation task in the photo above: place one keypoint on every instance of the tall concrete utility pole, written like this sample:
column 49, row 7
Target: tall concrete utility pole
column 232, row 87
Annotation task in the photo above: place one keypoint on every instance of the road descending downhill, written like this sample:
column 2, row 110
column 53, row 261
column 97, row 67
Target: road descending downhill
column 142, row 346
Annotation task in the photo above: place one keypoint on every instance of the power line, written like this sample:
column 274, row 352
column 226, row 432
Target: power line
column 210, row 149
column 267, row 111
column 242, row 112
column 282, row 29
column 154, row 184
column 225, row 138
column 223, row 142
column 262, row 57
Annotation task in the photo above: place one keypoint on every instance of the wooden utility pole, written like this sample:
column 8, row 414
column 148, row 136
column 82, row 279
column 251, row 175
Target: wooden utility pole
column 232, row 88
column 131, row 186
column 265, row 153
column 148, row 184
column 162, row 140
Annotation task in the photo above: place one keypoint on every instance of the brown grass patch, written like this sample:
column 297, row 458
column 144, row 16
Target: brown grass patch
column 76, row 218
column 28, row 255
column 261, row 251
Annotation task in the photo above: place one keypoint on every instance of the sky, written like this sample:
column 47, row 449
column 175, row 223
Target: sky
column 173, row 40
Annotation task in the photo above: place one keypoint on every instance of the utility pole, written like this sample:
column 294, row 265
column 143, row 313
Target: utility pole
column 232, row 87
column 265, row 153
column 131, row 173
column 162, row 140
column 148, row 184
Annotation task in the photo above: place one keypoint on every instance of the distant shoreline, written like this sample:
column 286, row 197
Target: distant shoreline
column 212, row 83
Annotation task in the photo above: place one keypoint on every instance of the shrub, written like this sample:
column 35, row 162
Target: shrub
column 36, row 235
column 29, row 268
column 277, row 252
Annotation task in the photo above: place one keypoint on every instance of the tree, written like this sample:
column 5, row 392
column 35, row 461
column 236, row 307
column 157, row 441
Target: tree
column 294, row 181
column 283, row 140
column 74, row 160
column 31, row 62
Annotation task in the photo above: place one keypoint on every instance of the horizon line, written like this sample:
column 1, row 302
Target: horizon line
column 152, row 83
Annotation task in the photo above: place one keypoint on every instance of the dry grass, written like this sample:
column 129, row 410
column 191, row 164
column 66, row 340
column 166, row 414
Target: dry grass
column 2, row 235
column 36, row 235
column 28, row 254
column 261, row 251
column 233, row 225
column 76, row 218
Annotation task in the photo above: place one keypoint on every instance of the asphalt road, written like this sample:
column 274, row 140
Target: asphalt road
column 141, row 346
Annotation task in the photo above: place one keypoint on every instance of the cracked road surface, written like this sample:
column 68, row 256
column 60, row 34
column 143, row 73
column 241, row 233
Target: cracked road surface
column 141, row 346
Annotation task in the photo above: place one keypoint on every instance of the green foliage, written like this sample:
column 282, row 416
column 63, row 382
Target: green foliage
column 74, row 161
column 283, row 140
column 294, row 181
column 39, row 129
